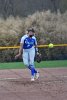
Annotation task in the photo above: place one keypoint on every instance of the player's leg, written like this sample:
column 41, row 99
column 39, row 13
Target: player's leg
column 25, row 58
column 31, row 59
column 34, row 72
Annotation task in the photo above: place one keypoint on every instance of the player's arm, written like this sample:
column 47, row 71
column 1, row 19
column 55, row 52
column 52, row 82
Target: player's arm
column 37, row 54
column 36, row 47
column 20, row 51
column 21, row 48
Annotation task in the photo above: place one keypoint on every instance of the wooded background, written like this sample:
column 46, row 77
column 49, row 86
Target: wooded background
column 26, row 7
column 48, row 17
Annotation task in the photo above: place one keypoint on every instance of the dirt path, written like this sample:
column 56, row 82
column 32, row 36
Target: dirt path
column 16, row 84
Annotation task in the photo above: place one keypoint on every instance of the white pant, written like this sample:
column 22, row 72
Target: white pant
column 28, row 56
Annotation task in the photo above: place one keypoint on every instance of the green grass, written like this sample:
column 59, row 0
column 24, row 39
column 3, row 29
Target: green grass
column 43, row 64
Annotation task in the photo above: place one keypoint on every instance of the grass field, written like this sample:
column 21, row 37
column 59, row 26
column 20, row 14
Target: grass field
column 43, row 64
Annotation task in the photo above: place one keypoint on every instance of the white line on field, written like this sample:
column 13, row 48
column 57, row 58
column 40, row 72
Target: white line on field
column 4, row 79
column 13, row 78
column 61, row 76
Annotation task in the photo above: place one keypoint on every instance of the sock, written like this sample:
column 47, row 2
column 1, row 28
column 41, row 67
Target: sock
column 29, row 67
column 33, row 71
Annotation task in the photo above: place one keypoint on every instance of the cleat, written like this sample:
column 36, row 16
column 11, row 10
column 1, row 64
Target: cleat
column 37, row 75
column 32, row 79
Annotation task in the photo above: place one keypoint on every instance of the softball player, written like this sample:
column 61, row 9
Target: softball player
column 27, row 49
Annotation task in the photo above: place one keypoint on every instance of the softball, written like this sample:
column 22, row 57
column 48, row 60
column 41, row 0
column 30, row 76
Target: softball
column 50, row 45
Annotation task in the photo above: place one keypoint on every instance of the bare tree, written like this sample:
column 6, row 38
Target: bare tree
column 54, row 5
column 7, row 8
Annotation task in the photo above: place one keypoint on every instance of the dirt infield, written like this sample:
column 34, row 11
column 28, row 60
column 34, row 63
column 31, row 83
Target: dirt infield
column 16, row 85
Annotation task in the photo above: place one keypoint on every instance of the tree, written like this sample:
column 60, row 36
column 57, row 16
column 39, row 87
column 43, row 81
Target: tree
column 7, row 7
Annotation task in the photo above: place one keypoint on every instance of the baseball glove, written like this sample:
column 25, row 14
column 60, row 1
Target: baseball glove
column 38, row 57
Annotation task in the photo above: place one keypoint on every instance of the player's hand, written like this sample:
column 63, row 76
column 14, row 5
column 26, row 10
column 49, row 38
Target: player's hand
column 17, row 56
column 38, row 57
column 37, row 53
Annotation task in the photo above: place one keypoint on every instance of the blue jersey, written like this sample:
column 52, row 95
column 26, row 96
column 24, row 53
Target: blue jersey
column 28, row 42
